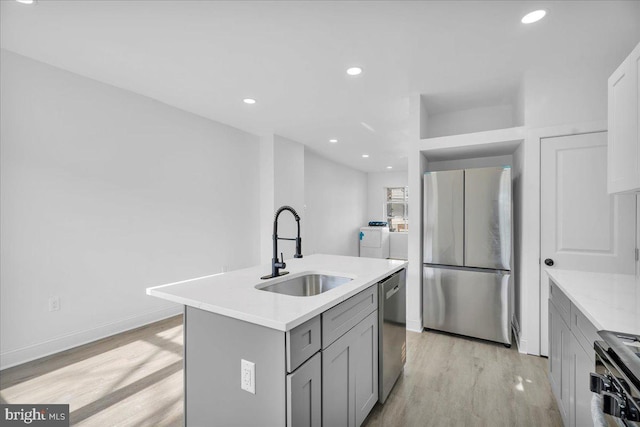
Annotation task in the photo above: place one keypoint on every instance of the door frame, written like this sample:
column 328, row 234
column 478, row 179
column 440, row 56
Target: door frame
column 532, row 334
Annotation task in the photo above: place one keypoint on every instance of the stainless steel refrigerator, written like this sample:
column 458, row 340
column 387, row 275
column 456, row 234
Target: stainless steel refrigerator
column 467, row 283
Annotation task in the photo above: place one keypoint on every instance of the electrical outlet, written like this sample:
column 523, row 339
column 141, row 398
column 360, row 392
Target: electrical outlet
column 54, row 303
column 248, row 376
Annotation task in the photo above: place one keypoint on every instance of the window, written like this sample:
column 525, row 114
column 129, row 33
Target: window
column 397, row 208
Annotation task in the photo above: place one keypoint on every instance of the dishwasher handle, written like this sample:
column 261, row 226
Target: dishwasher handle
column 392, row 292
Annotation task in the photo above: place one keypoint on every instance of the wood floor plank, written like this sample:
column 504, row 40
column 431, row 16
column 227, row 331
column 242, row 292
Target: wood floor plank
column 136, row 379
column 456, row 381
column 129, row 379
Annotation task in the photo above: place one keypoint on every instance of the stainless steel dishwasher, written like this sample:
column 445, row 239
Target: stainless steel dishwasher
column 392, row 331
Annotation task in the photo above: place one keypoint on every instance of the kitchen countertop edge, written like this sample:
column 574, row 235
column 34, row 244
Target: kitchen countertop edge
column 609, row 301
column 341, row 294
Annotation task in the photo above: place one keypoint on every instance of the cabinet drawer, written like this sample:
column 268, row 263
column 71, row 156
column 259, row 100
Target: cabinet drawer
column 583, row 330
column 561, row 301
column 302, row 342
column 344, row 316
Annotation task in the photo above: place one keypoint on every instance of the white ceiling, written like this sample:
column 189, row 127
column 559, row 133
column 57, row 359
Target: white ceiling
column 206, row 56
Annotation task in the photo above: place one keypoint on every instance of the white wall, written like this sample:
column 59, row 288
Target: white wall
column 473, row 120
column 417, row 165
column 281, row 183
column 376, row 198
column 476, row 162
column 289, row 169
column 267, row 196
column 517, row 198
column 573, row 94
column 335, row 206
column 105, row 193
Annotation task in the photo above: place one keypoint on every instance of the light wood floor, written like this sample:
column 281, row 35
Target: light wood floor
column 135, row 379
column 455, row 381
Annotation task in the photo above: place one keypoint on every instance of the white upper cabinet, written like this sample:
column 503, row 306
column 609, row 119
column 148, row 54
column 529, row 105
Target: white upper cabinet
column 624, row 118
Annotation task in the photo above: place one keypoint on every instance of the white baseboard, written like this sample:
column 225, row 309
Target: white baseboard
column 522, row 346
column 414, row 325
column 515, row 330
column 75, row 339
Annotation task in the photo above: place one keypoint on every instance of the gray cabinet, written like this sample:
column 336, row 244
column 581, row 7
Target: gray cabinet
column 350, row 375
column 302, row 342
column 338, row 377
column 571, row 358
column 343, row 317
column 555, row 354
column 579, row 389
column 366, row 351
column 299, row 378
column 559, row 358
column 213, row 350
column 304, row 399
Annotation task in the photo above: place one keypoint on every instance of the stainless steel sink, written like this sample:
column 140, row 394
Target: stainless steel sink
column 307, row 285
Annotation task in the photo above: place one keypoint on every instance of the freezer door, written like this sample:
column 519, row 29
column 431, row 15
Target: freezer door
column 487, row 218
column 467, row 302
column 444, row 217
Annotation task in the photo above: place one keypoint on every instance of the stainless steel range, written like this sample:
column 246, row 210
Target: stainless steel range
column 616, row 380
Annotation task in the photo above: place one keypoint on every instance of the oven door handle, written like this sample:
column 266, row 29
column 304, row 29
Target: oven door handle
column 614, row 404
column 599, row 383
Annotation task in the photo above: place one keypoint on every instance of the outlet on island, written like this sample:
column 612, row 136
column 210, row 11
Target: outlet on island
column 248, row 376
column 54, row 303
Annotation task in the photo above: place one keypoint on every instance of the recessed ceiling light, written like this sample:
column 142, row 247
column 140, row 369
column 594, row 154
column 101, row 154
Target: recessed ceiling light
column 354, row 71
column 534, row 16
column 26, row 1
column 365, row 155
column 389, row 167
column 333, row 141
column 249, row 101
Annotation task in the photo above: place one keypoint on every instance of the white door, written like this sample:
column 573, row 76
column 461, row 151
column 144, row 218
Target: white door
column 582, row 227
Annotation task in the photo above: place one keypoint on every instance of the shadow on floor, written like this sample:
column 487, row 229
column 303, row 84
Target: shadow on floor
column 37, row 371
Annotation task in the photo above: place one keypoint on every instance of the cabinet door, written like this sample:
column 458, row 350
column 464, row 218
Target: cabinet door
column 304, row 400
column 623, row 117
column 559, row 360
column 338, row 380
column 350, row 375
column 566, row 360
column 555, row 349
column 366, row 368
column 580, row 394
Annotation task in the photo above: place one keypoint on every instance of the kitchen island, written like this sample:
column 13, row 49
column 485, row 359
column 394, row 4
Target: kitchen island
column 254, row 357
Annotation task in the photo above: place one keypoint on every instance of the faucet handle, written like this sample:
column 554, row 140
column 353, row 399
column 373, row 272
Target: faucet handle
column 282, row 263
column 298, row 248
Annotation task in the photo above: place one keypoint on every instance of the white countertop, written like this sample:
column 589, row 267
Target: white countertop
column 610, row 301
column 234, row 294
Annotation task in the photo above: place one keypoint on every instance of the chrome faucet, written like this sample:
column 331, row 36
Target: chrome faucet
column 276, row 264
